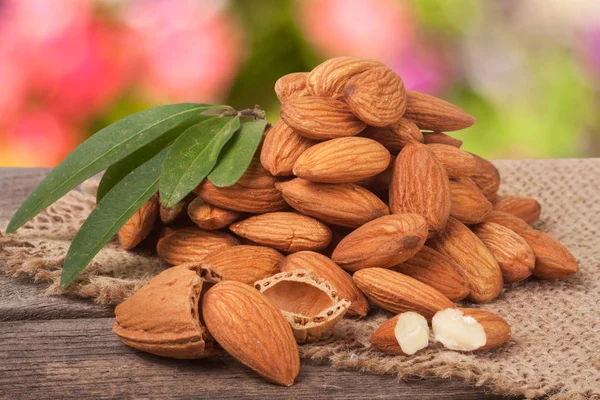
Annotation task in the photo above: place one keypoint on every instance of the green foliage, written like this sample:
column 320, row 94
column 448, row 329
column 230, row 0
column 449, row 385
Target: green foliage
column 170, row 149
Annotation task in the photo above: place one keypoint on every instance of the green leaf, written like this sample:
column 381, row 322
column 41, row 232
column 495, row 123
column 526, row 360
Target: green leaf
column 192, row 157
column 237, row 154
column 103, row 149
column 125, row 198
column 122, row 168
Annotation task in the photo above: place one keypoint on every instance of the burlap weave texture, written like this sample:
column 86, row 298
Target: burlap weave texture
column 555, row 348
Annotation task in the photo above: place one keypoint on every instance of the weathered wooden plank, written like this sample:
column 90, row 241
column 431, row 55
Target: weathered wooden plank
column 84, row 359
column 15, row 185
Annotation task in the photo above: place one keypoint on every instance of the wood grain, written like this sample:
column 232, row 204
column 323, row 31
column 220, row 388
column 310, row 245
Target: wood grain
column 57, row 347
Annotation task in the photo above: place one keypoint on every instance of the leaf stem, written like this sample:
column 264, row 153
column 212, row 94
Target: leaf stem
column 255, row 113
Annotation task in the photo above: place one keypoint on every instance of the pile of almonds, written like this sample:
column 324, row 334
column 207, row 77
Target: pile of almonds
column 356, row 178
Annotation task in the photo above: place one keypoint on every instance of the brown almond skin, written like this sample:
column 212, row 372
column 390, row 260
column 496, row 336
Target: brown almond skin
column 256, row 176
column 376, row 96
column 380, row 183
column 383, row 242
column 469, row 205
column 177, row 212
column 420, row 186
column 468, row 253
column 515, row 257
column 329, row 78
column 210, row 217
column 526, row 208
column 245, row 264
column 343, row 204
column 552, row 259
column 186, row 245
column 487, row 178
column 396, row 136
column 441, row 138
column 342, row 160
column 497, row 330
column 433, row 114
column 458, row 163
column 242, row 199
column 281, row 148
column 320, row 118
column 139, row 226
column 384, row 338
column 291, row 85
column 252, row 330
column 147, row 322
column 438, row 271
column 285, row 231
column 399, row 293
column 325, row 268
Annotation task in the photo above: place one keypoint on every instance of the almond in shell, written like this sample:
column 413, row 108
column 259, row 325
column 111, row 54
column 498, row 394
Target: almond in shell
column 162, row 317
column 252, row 330
column 139, row 226
column 310, row 304
column 468, row 253
column 285, row 231
column 320, row 118
column 376, row 96
column 383, row 242
column 420, row 185
column 399, row 293
column 343, row 204
column 184, row 245
column 325, row 268
column 342, row 160
column 246, row 264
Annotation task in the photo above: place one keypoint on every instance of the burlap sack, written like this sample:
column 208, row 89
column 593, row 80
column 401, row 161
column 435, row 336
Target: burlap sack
column 555, row 348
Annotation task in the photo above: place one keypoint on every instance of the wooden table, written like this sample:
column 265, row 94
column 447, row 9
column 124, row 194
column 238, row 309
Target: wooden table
column 59, row 348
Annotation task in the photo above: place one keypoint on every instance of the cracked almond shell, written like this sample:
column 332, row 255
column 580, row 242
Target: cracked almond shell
column 310, row 304
column 162, row 317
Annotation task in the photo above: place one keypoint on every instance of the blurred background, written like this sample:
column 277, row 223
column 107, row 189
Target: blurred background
column 529, row 70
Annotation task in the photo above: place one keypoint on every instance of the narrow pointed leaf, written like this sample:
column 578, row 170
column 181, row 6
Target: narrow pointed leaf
column 103, row 149
column 192, row 156
column 237, row 154
column 111, row 213
column 122, row 168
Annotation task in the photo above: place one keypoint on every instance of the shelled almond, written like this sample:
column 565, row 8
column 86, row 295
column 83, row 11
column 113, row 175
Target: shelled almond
column 361, row 170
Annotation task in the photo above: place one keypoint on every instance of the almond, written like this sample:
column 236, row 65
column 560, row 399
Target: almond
column 139, row 226
column 514, row 256
column 468, row 329
column 399, row 293
column 376, row 96
column 441, row 138
column 420, row 186
column 468, row 253
column 342, row 160
column 325, row 268
column 211, row 217
column 404, row 334
column 186, row 245
column 286, row 231
column 329, row 78
column 291, row 85
column 310, row 304
column 458, row 163
column 526, row 208
column 242, row 199
column 281, row 148
column 438, row 271
column 469, row 205
column 433, row 114
column 380, row 183
column 487, row 178
column 552, row 259
column 320, row 118
column 256, row 176
column 343, row 204
column 246, row 264
column 383, row 242
column 252, row 330
column 177, row 212
column 162, row 317
column 396, row 136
